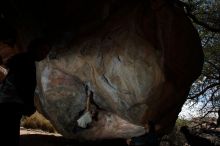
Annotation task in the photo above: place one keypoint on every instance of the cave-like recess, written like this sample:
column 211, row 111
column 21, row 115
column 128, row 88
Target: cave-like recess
column 138, row 58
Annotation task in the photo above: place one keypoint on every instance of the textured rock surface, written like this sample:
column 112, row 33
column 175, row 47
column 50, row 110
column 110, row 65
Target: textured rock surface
column 3, row 73
column 120, row 76
column 7, row 51
column 138, row 58
column 132, row 81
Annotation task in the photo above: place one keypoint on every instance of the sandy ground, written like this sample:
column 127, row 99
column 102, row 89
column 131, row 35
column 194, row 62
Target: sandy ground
column 30, row 137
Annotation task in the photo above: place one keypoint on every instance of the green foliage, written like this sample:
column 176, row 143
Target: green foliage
column 206, row 13
column 205, row 91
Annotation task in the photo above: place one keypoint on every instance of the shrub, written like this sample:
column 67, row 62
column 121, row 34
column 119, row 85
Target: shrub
column 37, row 121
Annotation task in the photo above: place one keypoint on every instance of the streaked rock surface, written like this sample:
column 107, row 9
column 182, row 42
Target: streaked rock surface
column 137, row 58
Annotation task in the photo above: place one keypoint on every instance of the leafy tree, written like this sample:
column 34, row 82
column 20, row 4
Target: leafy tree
column 205, row 14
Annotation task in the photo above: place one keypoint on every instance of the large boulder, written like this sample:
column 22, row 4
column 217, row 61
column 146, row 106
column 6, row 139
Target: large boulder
column 137, row 59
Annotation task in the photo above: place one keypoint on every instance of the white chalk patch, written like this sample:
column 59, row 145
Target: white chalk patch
column 84, row 120
column 45, row 78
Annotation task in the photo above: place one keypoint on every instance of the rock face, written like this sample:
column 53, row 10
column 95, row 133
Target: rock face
column 121, row 70
column 7, row 51
column 137, row 60
column 3, row 73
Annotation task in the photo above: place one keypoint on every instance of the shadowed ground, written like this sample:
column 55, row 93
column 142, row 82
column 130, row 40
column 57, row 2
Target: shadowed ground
column 52, row 140
column 36, row 137
column 31, row 137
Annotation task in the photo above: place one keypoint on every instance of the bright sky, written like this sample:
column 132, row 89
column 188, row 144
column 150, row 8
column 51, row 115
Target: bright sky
column 189, row 112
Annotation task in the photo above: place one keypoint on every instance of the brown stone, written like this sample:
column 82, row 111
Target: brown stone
column 137, row 58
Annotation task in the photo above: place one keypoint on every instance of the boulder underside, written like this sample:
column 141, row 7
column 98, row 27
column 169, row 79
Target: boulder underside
column 134, row 60
column 128, row 75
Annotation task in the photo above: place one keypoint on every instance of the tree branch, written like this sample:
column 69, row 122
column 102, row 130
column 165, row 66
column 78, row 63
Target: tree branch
column 196, row 20
column 203, row 91
column 213, row 65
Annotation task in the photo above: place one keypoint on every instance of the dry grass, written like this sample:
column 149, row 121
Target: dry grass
column 182, row 122
column 37, row 121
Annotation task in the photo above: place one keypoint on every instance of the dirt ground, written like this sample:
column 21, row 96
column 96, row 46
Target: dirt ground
column 31, row 137
column 40, row 138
